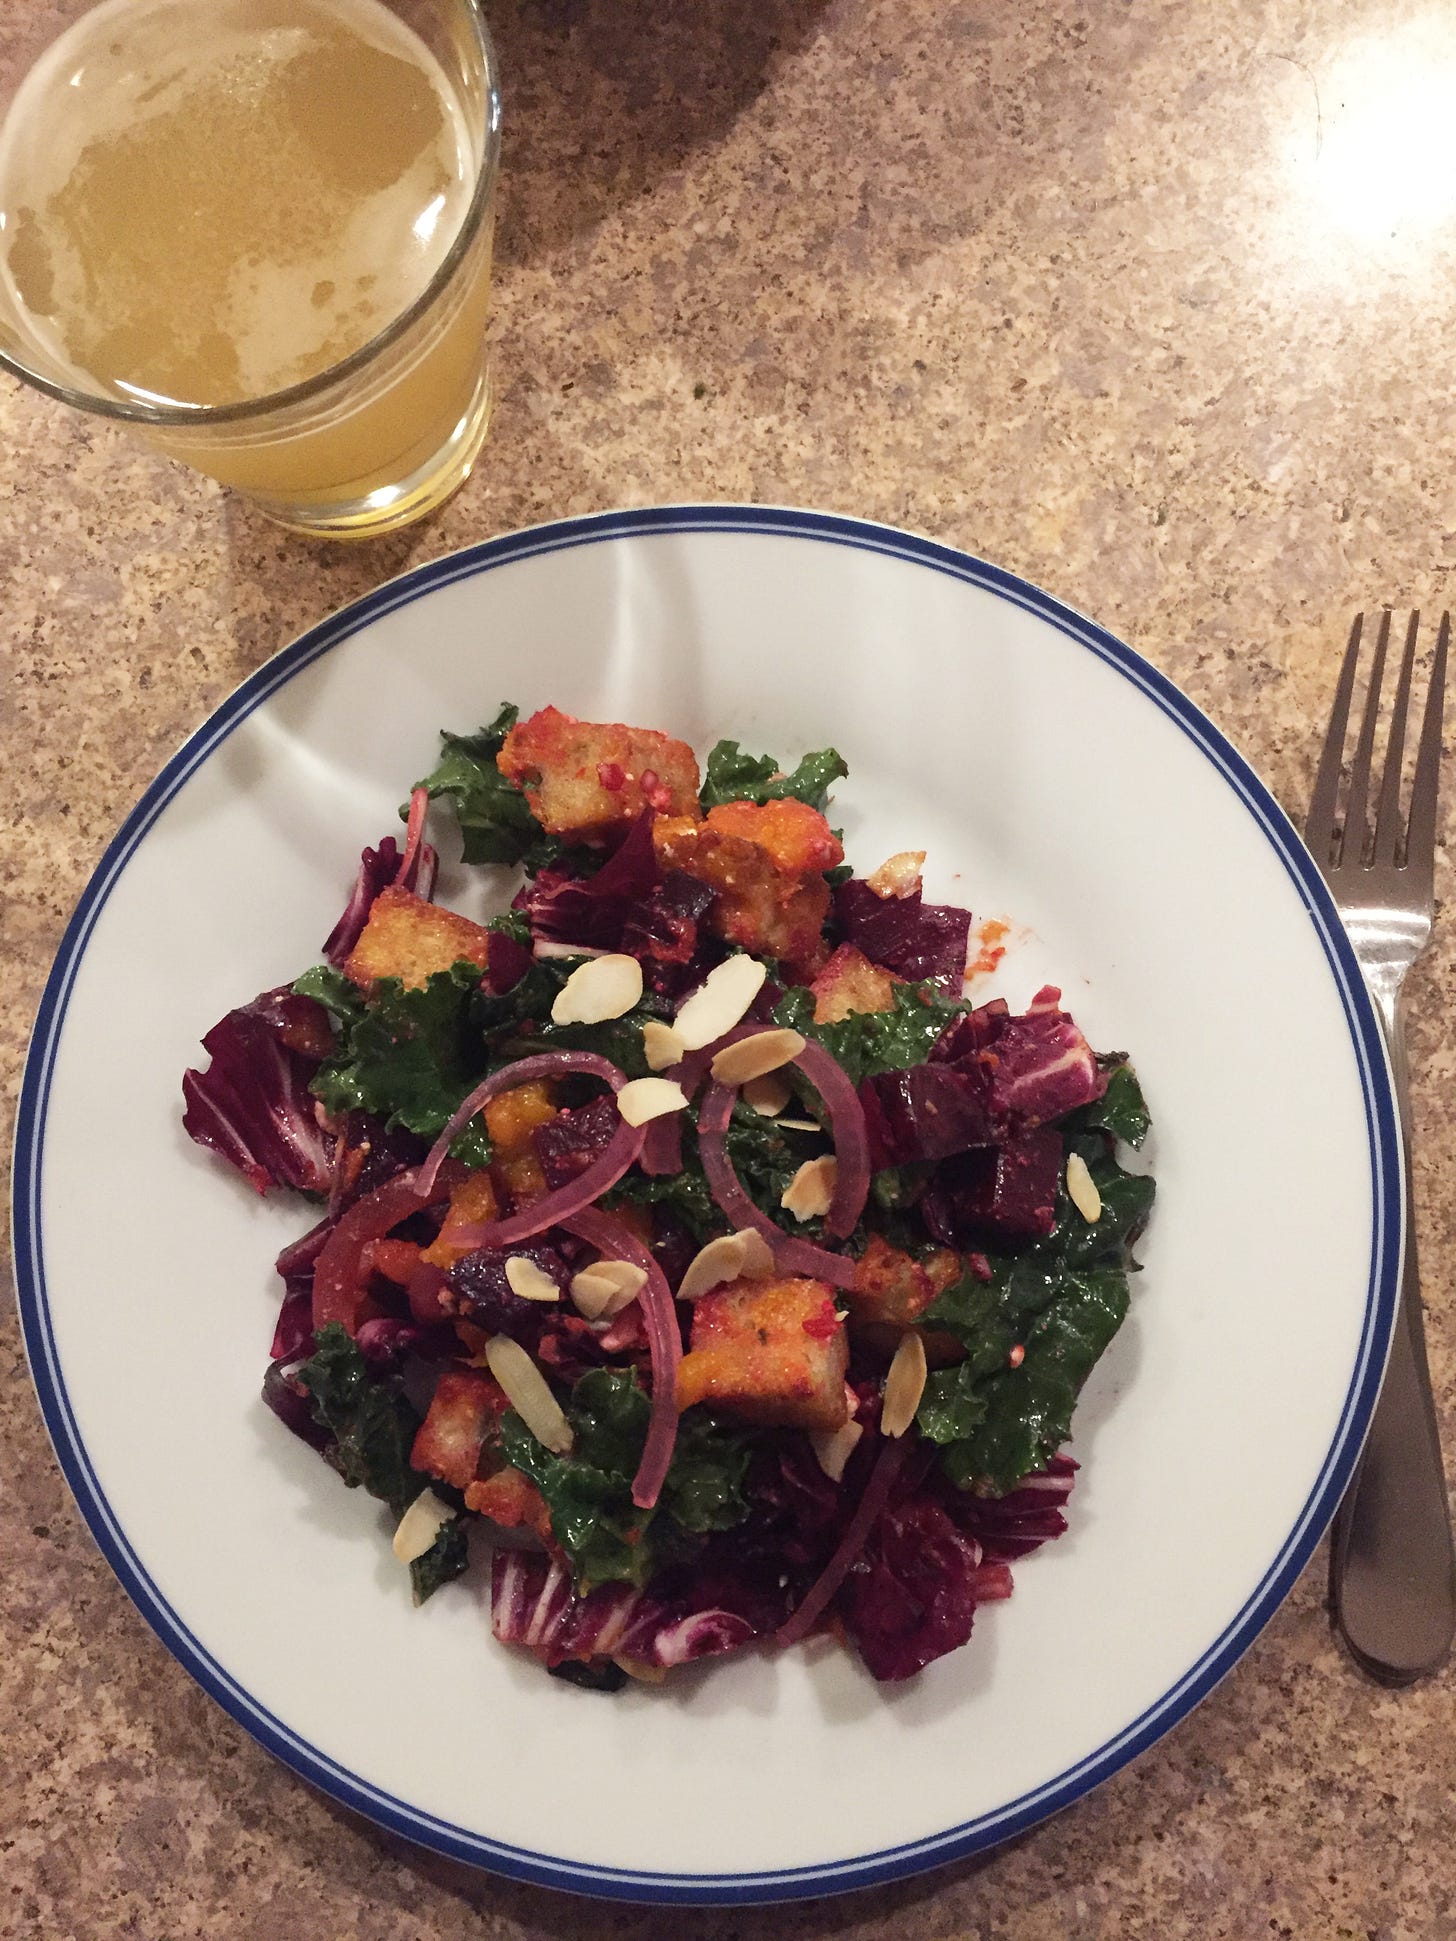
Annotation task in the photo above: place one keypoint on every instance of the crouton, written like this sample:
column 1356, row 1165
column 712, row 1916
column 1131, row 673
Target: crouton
column 762, row 905
column 583, row 779
column 849, row 982
column 407, row 938
column 511, row 1121
column 511, row 1500
column 892, row 1290
column 473, row 1203
column 796, row 836
column 463, row 1413
column 771, row 1352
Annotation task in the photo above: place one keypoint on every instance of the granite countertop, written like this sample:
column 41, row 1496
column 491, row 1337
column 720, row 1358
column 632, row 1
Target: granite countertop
column 1149, row 302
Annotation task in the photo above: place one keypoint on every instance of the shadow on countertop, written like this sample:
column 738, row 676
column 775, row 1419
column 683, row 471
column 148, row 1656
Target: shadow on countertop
column 602, row 98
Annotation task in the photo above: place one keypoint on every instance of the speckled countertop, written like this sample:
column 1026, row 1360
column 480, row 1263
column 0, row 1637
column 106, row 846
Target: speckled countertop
column 1148, row 301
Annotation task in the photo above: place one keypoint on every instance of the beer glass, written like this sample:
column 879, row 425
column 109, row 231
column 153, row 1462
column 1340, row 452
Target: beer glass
column 259, row 231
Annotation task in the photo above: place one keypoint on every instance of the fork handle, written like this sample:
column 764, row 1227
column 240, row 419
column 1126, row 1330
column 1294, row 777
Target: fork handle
column 1392, row 1564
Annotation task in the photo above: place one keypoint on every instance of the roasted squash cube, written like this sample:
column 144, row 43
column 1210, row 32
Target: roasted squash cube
column 772, row 1352
column 583, row 779
column 473, row 1203
column 408, row 938
column 511, row 1120
column 849, row 982
column 463, row 1414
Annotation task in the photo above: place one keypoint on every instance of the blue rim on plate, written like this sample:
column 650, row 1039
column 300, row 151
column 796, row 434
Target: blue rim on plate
column 890, row 1863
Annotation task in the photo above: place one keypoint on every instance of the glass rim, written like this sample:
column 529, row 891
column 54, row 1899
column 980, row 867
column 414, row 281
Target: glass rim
column 175, row 416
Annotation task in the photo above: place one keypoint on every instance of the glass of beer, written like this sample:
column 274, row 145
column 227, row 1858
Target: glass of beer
column 260, row 232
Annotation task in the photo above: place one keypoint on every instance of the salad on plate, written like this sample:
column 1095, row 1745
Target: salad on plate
column 686, row 1240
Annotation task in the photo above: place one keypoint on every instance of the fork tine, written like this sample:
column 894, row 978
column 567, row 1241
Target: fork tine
column 1319, row 824
column 1388, row 822
column 1355, row 821
column 1421, row 841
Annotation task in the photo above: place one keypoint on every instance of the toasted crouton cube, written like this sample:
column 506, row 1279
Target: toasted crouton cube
column 892, row 1290
column 796, row 836
column 463, row 1413
column 511, row 1500
column 584, row 779
column 772, row 1352
column 766, row 909
column 849, row 982
column 407, row 938
column 511, row 1120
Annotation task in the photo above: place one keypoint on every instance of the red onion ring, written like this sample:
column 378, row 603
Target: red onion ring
column 659, row 1315
column 337, row 1291
column 848, row 1131
column 816, row 1599
column 545, row 1064
column 798, row 1256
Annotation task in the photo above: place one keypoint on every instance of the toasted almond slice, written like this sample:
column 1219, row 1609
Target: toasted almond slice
column 765, row 1051
column 421, row 1523
column 650, row 1098
column 800, row 1125
column 758, row 1261
column 606, row 987
column 900, row 875
column 834, row 1447
column 720, row 1001
column 811, row 1189
column 602, row 1290
column 904, row 1385
column 526, row 1391
column 544, row 948
column 1082, row 1189
column 639, row 1669
column 661, row 1045
column 531, row 1282
column 720, row 1261
column 769, row 1094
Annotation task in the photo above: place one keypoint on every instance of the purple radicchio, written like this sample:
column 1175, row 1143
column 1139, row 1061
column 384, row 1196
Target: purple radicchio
column 252, row 1105
column 533, row 1604
column 904, row 934
column 415, row 869
column 628, row 905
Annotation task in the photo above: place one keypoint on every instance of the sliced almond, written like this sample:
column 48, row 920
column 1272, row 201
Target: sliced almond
column 606, row 987
column 531, row 1282
column 639, row 1669
column 834, row 1447
column 904, row 1385
column 713, row 1266
column 661, row 1045
column 720, row 1001
column 527, row 1392
column 543, row 949
column 650, row 1098
column 421, row 1523
column 765, row 1051
column 800, row 1125
column 758, row 1260
column 769, row 1094
column 602, row 1290
column 1082, row 1189
column 811, row 1190
column 900, row 875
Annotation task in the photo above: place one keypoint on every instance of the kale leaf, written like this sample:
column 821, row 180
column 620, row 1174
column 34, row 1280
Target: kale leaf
column 868, row 1042
column 589, row 1492
column 733, row 776
column 1121, row 1111
column 496, row 824
column 409, row 1055
column 1060, row 1302
column 373, row 1425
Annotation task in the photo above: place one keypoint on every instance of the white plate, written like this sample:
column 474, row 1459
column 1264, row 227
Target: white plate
column 1056, row 779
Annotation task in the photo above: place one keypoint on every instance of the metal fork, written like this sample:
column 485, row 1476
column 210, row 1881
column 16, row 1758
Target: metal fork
column 1392, row 1565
